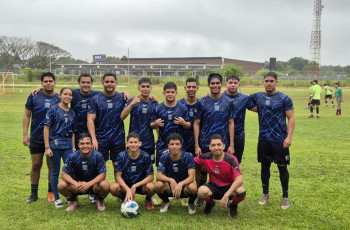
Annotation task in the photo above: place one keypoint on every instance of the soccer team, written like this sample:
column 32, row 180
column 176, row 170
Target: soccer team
column 196, row 137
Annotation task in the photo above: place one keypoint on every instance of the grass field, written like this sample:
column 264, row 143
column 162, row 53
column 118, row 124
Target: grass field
column 319, row 179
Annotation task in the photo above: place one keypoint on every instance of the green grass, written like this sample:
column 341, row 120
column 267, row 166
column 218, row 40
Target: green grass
column 319, row 179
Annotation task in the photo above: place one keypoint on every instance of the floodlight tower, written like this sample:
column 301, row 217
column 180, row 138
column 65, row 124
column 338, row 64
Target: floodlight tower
column 314, row 67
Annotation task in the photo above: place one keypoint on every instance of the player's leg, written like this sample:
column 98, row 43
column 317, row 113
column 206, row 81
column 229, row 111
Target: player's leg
column 70, row 192
column 163, row 191
column 149, row 190
column 55, row 163
column 37, row 161
column 190, row 191
column 50, row 196
column 101, row 190
column 239, row 149
column 202, row 177
column 237, row 196
column 114, row 152
column 265, row 157
column 117, row 191
column 312, row 109
column 317, row 108
column 205, row 192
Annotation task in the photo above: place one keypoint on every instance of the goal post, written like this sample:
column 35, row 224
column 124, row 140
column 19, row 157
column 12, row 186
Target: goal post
column 4, row 77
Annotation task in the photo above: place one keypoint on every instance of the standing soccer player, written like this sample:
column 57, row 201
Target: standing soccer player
column 169, row 117
column 134, row 173
column 328, row 94
column 225, row 178
column 84, row 173
column 175, row 175
column 35, row 111
column 275, row 136
column 104, row 120
column 338, row 95
column 141, row 109
column 311, row 89
column 315, row 99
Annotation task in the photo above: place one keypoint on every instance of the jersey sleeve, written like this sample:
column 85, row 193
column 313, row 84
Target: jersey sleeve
column 93, row 105
column 251, row 101
column 185, row 114
column 154, row 116
column 149, row 166
column 232, row 112
column 49, row 119
column 161, row 166
column 67, row 168
column 190, row 161
column 128, row 103
column 119, row 164
column 101, row 165
column 30, row 103
column 288, row 105
column 198, row 161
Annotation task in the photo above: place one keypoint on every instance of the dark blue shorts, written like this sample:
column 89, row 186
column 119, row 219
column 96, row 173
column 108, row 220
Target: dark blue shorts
column 110, row 152
column 269, row 152
column 239, row 149
column 36, row 147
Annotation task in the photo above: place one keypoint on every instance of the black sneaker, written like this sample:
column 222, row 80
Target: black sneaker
column 199, row 203
column 209, row 207
column 233, row 211
column 32, row 198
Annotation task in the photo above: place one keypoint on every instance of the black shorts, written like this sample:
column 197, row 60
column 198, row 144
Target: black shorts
column 182, row 195
column 111, row 152
column 328, row 96
column 239, row 149
column 269, row 152
column 217, row 191
column 138, row 189
column 36, row 147
column 315, row 102
column 90, row 191
column 150, row 152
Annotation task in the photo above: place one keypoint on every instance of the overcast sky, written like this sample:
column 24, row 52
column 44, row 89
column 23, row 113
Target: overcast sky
column 252, row 30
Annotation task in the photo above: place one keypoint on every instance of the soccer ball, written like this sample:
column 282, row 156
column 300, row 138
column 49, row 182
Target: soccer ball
column 129, row 209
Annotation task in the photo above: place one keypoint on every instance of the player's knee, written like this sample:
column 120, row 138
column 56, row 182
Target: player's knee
column 104, row 185
column 192, row 188
column 240, row 190
column 203, row 191
column 159, row 186
column 150, row 186
column 114, row 189
column 62, row 186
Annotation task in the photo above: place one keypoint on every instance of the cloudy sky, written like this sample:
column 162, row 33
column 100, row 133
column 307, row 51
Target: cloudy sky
column 251, row 30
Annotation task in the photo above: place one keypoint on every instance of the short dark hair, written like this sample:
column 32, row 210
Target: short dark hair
column 109, row 75
column 271, row 74
column 85, row 75
column 315, row 81
column 64, row 88
column 145, row 80
column 325, row 84
column 133, row 135
column 170, row 85
column 191, row 79
column 47, row 74
column 214, row 75
column 217, row 137
column 337, row 83
column 233, row 77
column 174, row 136
column 84, row 135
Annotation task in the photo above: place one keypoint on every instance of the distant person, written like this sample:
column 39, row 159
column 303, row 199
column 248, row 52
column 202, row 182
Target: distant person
column 310, row 94
column 84, row 173
column 315, row 99
column 328, row 94
column 35, row 112
column 338, row 95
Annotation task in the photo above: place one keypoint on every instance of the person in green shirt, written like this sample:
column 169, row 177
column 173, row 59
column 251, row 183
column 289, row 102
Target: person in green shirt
column 315, row 99
column 310, row 94
column 339, row 97
column 328, row 94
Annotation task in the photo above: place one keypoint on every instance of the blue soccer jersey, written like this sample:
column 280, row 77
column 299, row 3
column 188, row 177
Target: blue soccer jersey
column 272, row 115
column 215, row 118
column 140, row 120
column 240, row 102
column 108, row 124
column 80, row 105
column 61, row 122
column 38, row 105
column 168, row 114
column 84, row 169
column 193, row 113
column 178, row 170
column 134, row 170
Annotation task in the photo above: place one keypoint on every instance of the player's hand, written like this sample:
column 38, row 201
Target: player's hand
column 136, row 100
column 173, row 185
column 26, row 141
column 159, row 122
column 127, row 96
column 231, row 149
column 223, row 202
column 177, row 190
column 129, row 196
column 197, row 151
column 94, row 144
column 287, row 142
column 84, row 186
column 48, row 152
column 35, row 91
column 153, row 98
column 179, row 120
column 166, row 151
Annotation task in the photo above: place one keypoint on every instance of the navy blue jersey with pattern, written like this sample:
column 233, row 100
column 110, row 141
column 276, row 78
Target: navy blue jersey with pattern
column 61, row 122
column 240, row 102
column 168, row 114
column 38, row 105
column 140, row 120
column 215, row 118
column 108, row 124
column 193, row 113
column 80, row 105
column 178, row 170
column 84, row 169
column 272, row 115
column 133, row 170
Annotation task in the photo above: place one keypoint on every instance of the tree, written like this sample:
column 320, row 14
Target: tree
column 230, row 69
column 299, row 63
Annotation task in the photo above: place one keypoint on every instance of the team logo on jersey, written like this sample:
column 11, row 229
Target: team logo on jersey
column 144, row 109
column 110, row 105
column 133, row 167
column 83, row 105
column 175, row 168
column 47, row 104
column 267, row 102
column 191, row 113
column 84, row 166
column 217, row 170
column 216, row 106
column 170, row 115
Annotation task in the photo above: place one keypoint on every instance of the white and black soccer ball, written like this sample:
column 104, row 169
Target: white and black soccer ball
column 129, row 209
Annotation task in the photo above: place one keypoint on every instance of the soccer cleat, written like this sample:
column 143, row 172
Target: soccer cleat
column 317, row 116
column 73, row 205
column 50, row 197
column 92, row 198
column 307, row 107
column 233, row 211
column 156, row 202
column 311, row 116
column 333, row 105
column 199, row 203
column 32, row 198
column 191, row 208
column 209, row 207
column 326, row 105
column 285, row 203
column 264, row 199
column 164, row 207
column 149, row 204
column 58, row 203
column 100, row 205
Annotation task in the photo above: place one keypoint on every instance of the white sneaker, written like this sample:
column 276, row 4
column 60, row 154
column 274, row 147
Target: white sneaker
column 58, row 203
column 191, row 208
column 92, row 198
column 285, row 203
column 264, row 199
column 164, row 207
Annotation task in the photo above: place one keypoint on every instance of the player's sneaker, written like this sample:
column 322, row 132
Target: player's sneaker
column 50, row 197
column 191, row 208
column 285, row 203
column 73, row 205
column 92, row 198
column 326, row 105
column 264, row 199
column 164, row 207
column 311, row 116
column 199, row 203
column 333, row 105
column 58, row 203
column 100, row 205
column 317, row 116
column 233, row 211
column 307, row 107
column 209, row 207
column 32, row 198
column 149, row 204
column 155, row 201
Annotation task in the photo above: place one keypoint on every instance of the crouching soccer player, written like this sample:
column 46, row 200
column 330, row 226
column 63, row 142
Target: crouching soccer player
column 133, row 173
column 225, row 178
column 84, row 173
column 175, row 175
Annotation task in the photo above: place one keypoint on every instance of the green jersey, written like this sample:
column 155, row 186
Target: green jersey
column 338, row 92
column 318, row 90
column 311, row 89
column 328, row 90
